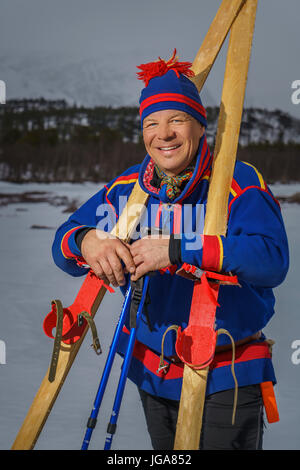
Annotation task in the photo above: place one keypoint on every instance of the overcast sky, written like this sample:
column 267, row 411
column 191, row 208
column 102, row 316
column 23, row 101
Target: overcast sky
column 138, row 31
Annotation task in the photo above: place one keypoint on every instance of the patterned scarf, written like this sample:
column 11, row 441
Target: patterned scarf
column 174, row 183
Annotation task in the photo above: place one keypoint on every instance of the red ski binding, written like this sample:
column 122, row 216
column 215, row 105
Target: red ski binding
column 196, row 344
column 72, row 329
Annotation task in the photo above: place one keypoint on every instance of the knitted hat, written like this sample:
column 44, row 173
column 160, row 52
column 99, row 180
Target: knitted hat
column 167, row 86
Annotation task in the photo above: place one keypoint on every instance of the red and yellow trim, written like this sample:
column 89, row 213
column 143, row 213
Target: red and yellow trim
column 235, row 189
column 212, row 258
column 124, row 180
column 203, row 163
column 246, row 189
column 258, row 174
column 64, row 246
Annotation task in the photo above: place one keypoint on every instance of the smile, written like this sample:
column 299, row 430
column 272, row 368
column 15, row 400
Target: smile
column 169, row 148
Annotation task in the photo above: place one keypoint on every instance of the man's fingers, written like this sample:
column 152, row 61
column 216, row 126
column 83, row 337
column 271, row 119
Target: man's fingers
column 136, row 247
column 124, row 253
column 117, row 268
column 96, row 268
column 109, row 258
column 138, row 259
column 109, row 273
column 139, row 272
column 98, row 271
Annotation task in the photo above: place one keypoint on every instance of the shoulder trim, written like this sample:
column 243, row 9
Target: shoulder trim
column 123, row 179
column 126, row 179
column 258, row 174
column 256, row 182
column 252, row 187
column 235, row 188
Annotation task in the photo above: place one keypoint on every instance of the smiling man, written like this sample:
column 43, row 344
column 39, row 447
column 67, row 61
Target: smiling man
column 175, row 173
column 172, row 139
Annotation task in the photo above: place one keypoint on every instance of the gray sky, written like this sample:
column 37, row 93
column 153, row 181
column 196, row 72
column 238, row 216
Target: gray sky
column 136, row 31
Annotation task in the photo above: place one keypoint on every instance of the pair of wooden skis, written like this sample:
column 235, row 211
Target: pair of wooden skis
column 238, row 18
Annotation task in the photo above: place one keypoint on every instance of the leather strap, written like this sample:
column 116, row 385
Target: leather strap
column 96, row 343
column 58, row 336
column 57, row 339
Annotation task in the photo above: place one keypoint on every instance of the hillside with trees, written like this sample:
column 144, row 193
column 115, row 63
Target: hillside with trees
column 50, row 141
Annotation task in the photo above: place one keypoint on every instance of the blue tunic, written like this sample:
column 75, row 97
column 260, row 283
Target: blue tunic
column 255, row 249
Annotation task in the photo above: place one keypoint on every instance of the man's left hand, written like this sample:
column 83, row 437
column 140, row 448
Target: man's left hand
column 150, row 254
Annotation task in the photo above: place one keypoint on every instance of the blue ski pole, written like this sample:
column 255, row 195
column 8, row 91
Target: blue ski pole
column 111, row 429
column 106, row 371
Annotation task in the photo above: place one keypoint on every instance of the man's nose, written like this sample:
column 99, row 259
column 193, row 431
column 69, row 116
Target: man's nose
column 165, row 131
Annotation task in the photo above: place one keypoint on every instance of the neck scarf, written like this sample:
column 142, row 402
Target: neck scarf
column 174, row 184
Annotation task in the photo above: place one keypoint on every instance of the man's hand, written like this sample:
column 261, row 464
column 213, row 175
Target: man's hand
column 104, row 253
column 150, row 254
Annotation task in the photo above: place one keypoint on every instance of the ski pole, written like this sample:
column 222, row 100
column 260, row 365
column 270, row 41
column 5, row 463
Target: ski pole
column 111, row 429
column 106, row 371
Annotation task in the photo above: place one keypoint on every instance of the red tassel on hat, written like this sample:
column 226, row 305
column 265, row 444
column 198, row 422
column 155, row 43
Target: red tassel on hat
column 160, row 67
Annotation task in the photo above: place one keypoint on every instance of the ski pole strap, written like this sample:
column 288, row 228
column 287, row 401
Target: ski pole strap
column 136, row 297
column 92, row 325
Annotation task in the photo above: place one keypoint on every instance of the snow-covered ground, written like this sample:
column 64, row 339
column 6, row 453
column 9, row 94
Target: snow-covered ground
column 30, row 280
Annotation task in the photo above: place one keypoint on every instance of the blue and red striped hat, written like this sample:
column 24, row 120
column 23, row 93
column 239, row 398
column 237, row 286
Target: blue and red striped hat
column 167, row 86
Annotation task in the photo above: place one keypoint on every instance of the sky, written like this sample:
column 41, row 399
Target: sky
column 122, row 34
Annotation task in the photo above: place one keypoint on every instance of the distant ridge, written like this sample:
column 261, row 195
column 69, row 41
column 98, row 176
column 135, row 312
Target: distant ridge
column 259, row 126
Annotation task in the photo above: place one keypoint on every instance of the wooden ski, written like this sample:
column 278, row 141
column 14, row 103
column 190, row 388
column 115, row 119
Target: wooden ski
column 214, row 39
column 193, row 393
column 48, row 391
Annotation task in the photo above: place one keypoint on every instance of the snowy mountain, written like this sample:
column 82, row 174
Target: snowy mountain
column 261, row 126
column 87, row 81
column 92, row 81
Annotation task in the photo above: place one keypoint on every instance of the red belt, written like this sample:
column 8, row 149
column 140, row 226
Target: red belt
column 243, row 353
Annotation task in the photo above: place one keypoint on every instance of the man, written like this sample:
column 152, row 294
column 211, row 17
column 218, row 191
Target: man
column 175, row 173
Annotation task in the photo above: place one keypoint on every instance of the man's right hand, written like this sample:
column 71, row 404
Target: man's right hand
column 104, row 253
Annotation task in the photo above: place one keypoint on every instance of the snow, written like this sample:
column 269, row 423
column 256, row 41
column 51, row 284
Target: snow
column 30, row 280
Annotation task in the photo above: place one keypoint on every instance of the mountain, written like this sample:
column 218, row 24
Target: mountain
column 84, row 82
column 262, row 126
column 89, row 82
column 93, row 81
column 259, row 126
